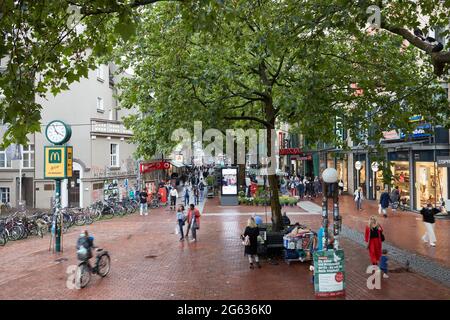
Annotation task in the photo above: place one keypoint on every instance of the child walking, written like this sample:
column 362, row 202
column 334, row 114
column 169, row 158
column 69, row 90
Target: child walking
column 384, row 263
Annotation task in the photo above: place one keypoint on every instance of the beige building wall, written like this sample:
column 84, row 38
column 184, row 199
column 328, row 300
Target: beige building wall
column 95, row 127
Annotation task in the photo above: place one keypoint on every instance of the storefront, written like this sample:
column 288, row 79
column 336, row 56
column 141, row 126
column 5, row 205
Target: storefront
column 360, row 176
column 401, row 175
column 431, row 181
column 339, row 161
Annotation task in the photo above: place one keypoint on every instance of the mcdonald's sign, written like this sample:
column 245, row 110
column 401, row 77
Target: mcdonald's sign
column 58, row 162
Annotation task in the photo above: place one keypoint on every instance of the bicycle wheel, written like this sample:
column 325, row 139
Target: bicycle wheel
column 3, row 239
column 15, row 233
column 103, row 265
column 80, row 220
column 83, row 275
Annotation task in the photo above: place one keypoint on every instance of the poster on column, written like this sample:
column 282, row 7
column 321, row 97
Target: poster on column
column 329, row 274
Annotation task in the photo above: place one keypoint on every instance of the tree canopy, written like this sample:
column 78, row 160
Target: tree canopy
column 37, row 42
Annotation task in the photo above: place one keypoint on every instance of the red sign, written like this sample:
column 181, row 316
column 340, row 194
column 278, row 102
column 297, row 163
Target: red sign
column 291, row 151
column 153, row 166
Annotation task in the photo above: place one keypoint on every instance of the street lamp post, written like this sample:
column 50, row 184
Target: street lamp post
column 330, row 177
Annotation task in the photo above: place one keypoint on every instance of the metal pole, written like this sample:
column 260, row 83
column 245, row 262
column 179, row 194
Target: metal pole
column 325, row 216
column 336, row 217
column 58, row 216
column 20, row 182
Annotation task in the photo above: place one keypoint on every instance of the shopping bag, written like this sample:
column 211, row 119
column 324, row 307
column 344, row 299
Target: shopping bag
column 177, row 230
column 379, row 209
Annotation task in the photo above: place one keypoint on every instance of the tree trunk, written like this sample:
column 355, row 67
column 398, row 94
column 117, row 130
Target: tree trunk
column 273, row 181
column 241, row 175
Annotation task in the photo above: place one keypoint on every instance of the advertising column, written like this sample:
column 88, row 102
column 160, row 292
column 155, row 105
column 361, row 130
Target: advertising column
column 229, row 187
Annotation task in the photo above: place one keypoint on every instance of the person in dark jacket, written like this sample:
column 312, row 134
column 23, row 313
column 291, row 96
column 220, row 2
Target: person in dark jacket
column 251, row 233
column 395, row 199
column 285, row 219
column 385, row 199
column 428, row 214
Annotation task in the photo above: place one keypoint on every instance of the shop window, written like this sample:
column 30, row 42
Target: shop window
column 401, row 179
column 5, row 195
column 430, row 184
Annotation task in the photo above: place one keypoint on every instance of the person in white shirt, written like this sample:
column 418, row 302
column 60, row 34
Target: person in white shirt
column 173, row 198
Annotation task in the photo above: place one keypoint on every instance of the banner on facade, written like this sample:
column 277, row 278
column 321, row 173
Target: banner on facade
column 290, row 151
column 329, row 275
column 153, row 166
column 443, row 161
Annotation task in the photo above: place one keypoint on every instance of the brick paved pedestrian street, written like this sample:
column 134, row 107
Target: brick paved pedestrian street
column 148, row 262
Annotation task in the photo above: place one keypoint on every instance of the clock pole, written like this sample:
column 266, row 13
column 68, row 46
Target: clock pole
column 58, row 215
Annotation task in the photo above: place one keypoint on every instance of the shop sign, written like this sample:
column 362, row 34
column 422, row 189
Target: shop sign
column 358, row 165
column 290, row 151
column 443, row 162
column 391, row 135
column 153, row 166
column 301, row 157
column 58, row 162
column 329, row 274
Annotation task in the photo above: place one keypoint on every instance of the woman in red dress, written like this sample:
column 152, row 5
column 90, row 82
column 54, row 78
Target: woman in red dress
column 374, row 240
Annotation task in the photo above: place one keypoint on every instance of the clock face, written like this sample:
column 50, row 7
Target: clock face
column 57, row 132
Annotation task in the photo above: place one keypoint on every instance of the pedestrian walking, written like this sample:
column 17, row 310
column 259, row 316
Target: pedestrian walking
column 384, row 263
column 201, row 187
column 173, row 198
column 385, row 200
column 181, row 218
column 316, row 186
column 196, row 193
column 186, row 195
column 341, row 186
column 395, row 199
column 301, row 189
column 250, row 241
column 428, row 214
column 374, row 238
column 143, row 202
column 193, row 219
column 359, row 197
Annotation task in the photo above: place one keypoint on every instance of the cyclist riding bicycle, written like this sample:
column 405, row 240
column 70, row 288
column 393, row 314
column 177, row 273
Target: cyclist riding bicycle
column 85, row 243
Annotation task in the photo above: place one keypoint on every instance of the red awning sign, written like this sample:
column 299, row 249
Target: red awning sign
column 290, row 151
column 153, row 166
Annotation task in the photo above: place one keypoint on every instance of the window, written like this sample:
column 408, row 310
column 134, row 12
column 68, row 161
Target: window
column 100, row 73
column 49, row 187
column 28, row 156
column 4, row 195
column 5, row 160
column 100, row 106
column 114, row 155
column 97, row 186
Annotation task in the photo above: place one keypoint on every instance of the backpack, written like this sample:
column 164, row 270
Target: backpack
column 202, row 186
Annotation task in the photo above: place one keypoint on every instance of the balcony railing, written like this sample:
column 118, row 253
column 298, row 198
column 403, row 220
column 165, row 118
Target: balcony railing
column 109, row 127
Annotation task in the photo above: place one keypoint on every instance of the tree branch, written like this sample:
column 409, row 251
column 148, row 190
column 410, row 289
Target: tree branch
column 438, row 59
column 265, row 123
column 135, row 4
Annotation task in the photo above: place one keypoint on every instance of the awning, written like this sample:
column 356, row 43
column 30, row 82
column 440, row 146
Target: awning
column 177, row 164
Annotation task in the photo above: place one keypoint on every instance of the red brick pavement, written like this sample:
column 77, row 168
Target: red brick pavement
column 403, row 229
column 148, row 262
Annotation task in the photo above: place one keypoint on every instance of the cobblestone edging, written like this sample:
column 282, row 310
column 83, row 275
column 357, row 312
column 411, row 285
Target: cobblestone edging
column 417, row 263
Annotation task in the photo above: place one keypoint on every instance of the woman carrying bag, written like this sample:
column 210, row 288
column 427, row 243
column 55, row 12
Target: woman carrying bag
column 250, row 241
column 193, row 219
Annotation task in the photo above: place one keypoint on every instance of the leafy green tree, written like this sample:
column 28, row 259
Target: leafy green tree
column 262, row 62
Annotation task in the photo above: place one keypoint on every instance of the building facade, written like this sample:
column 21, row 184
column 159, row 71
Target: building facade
column 103, row 164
